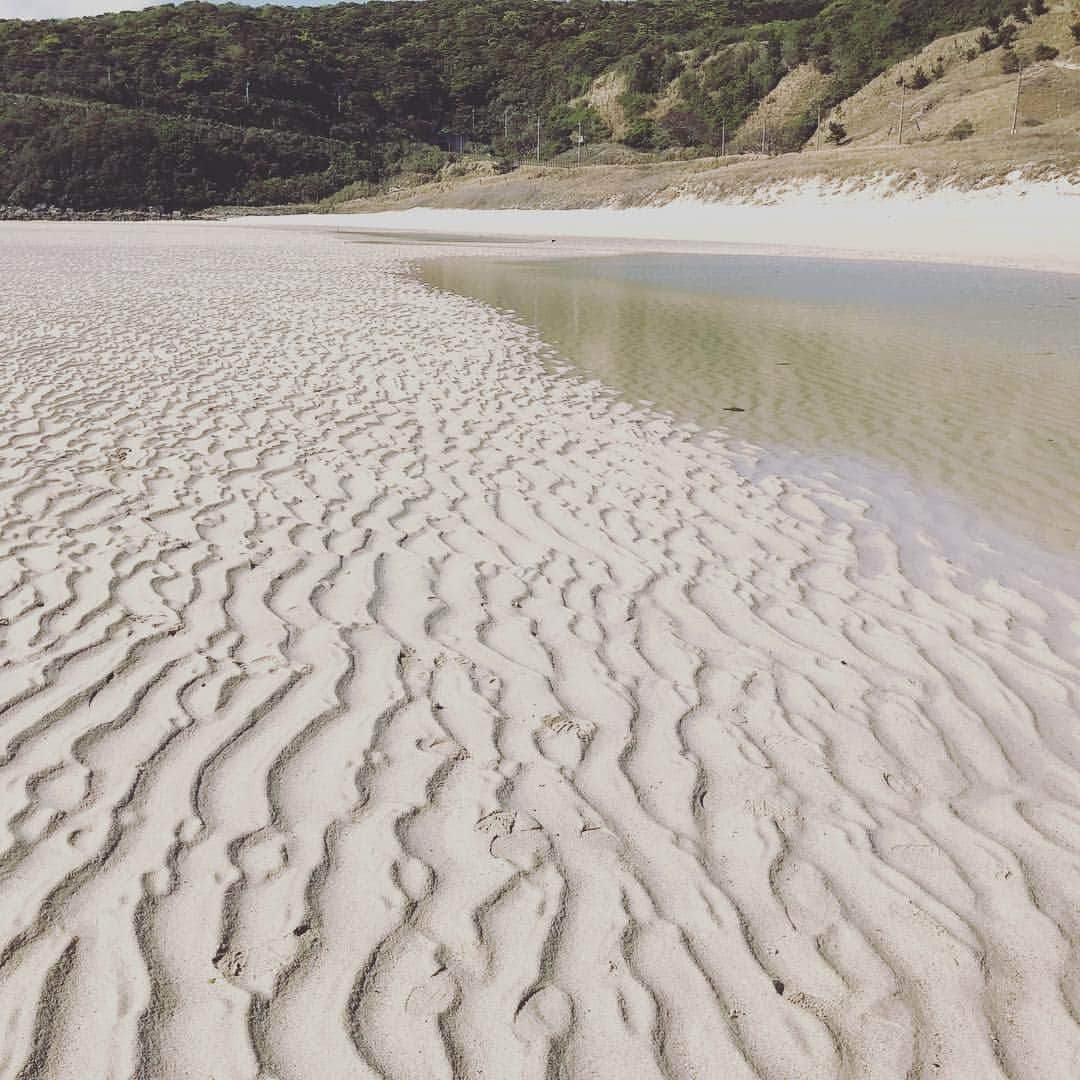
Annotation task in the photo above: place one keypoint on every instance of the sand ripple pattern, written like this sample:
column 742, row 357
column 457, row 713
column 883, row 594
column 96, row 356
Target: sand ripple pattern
column 376, row 705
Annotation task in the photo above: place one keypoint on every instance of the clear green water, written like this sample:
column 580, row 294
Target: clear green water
column 963, row 380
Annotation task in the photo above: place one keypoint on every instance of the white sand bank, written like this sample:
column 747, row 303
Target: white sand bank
column 1025, row 225
column 375, row 705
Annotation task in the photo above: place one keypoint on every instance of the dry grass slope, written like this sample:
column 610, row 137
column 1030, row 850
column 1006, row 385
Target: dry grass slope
column 977, row 90
column 1034, row 153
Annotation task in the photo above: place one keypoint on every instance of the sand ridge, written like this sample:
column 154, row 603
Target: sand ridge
column 375, row 704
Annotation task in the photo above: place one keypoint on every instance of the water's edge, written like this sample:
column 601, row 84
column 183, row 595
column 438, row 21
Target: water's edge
column 929, row 523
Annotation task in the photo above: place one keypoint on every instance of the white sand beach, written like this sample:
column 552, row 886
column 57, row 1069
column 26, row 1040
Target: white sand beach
column 1032, row 225
column 376, row 704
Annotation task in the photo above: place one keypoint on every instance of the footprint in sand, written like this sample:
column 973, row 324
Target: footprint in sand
column 62, row 788
column 434, row 996
column 545, row 1014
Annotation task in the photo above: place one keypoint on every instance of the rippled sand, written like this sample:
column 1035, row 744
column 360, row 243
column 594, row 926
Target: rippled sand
column 376, row 704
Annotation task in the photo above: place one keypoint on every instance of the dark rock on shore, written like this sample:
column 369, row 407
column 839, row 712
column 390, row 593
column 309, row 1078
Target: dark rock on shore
column 57, row 213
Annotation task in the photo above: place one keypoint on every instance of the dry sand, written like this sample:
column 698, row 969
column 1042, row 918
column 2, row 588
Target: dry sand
column 1024, row 224
column 375, row 704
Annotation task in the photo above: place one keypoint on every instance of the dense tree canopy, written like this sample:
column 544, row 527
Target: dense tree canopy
column 191, row 104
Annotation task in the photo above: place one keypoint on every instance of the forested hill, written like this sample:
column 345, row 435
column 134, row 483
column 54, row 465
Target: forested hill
column 190, row 105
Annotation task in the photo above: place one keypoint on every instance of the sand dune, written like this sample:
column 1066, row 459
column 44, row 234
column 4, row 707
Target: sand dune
column 375, row 704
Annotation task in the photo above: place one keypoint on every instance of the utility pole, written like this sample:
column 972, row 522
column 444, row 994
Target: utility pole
column 506, row 123
column 723, row 137
column 764, row 106
column 537, row 140
column 580, row 140
column 903, row 99
column 1016, row 104
column 247, row 92
column 819, row 127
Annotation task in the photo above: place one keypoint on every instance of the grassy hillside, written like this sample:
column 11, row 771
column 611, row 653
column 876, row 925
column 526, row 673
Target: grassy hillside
column 964, row 86
column 191, row 105
column 958, row 132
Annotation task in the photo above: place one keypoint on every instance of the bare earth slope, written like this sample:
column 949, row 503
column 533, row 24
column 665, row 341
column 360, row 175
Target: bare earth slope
column 373, row 704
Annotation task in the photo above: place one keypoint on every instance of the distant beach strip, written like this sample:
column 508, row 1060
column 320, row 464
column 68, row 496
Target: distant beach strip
column 1032, row 225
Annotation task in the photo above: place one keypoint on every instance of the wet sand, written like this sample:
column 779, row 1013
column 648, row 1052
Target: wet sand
column 376, row 703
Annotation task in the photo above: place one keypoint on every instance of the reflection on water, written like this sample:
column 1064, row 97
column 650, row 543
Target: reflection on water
column 963, row 378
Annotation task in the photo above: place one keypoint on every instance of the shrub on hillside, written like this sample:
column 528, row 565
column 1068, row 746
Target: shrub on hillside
column 672, row 68
column 1044, row 51
column 964, row 129
column 1010, row 62
column 641, row 134
column 837, row 133
column 1018, row 9
column 985, row 41
column 423, row 160
column 1038, row 7
column 1075, row 31
column 685, row 128
column 1007, row 35
column 919, row 79
column 635, row 104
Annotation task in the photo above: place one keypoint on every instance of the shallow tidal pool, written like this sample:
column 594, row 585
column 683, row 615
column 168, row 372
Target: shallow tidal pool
column 962, row 380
